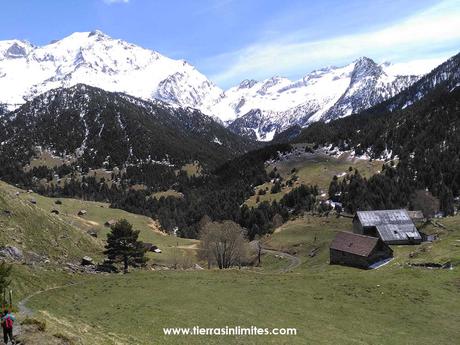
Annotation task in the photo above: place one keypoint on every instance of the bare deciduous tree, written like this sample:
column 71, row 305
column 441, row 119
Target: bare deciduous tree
column 223, row 243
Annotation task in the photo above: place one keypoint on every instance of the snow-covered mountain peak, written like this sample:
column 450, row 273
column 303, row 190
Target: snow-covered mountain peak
column 99, row 60
column 98, row 33
column 365, row 67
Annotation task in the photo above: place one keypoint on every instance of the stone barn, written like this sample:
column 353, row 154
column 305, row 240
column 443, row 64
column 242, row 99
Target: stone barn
column 356, row 250
column 391, row 226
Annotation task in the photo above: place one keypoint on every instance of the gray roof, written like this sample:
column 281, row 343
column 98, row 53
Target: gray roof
column 392, row 225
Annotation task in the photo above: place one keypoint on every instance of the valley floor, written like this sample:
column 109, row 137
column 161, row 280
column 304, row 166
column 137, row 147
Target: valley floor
column 395, row 304
column 295, row 287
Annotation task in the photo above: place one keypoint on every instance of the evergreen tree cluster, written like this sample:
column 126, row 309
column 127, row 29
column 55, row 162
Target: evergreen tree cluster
column 387, row 190
column 424, row 138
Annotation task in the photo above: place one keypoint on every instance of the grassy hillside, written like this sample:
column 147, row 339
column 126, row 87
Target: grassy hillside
column 34, row 227
column 312, row 169
column 327, row 304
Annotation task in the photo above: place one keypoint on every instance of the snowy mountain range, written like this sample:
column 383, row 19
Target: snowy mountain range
column 256, row 109
column 96, row 59
column 275, row 104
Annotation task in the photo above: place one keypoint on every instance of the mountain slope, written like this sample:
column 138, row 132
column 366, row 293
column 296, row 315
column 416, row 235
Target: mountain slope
column 40, row 234
column 98, row 60
column 369, row 85
column 446, row 75
column 268, row 107
column 444, row 79
column 97, row 126
column 423, row 136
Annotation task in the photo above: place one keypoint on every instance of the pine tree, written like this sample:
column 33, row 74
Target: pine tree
column 447, row 201
column 123, row 246
column 333, row 187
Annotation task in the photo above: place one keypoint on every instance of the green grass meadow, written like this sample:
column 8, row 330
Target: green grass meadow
column 395, row 304
column 313, row 170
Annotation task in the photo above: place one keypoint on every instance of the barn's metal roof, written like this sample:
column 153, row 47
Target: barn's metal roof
column 378, row 217
column 392, row 225
column 353, row 243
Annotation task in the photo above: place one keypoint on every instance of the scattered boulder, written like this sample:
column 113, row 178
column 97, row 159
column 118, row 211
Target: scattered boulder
column 7, row 212
column 198, row 267
column 87, row 261
column 32, row 258
column 92, row 233
column 11, row 253
column 33, row 201
column 55, row 211
column 58, row 202
column 82, row 212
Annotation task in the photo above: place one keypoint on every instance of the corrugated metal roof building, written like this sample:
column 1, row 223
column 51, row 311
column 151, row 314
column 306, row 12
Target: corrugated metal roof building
column 392, row 226
column 357, row 250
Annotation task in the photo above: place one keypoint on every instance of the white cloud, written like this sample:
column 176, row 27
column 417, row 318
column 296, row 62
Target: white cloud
column 110, row 2
column 428, row 34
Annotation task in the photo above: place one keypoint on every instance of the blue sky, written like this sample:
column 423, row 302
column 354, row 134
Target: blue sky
column 231, row 40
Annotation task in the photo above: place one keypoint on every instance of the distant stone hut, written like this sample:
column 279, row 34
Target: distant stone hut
column 150, row 247
column 110, row 222
column 82, row 212
column 391, row 226
column 356, row 250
